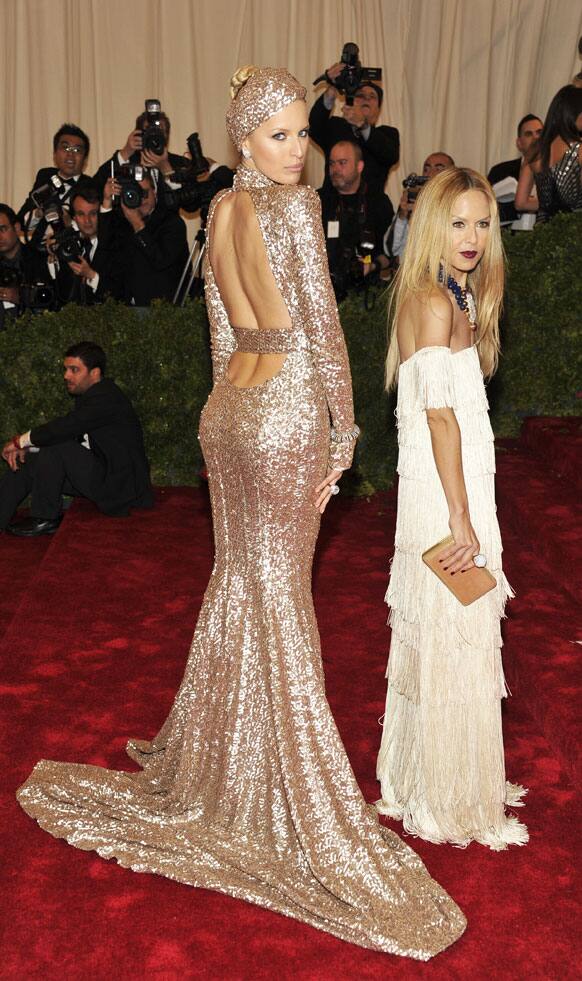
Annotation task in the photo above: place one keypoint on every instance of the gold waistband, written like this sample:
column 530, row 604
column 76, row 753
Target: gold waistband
column 255, row 341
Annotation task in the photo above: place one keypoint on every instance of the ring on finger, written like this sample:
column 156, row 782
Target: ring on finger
column 480, row 560
column 333, row 489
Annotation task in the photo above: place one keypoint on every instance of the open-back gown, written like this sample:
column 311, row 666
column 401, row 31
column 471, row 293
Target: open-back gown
column 247, row 788
column 441, row 762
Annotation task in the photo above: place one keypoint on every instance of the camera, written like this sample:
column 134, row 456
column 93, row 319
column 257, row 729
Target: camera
column 37, row 297
column 153, row 136
column 68, row 243
column 413, row 183
column 349, row 272
column 9, row 276
column 47, row 194
column 128, row 177
column 353, row 75
column 193, row 194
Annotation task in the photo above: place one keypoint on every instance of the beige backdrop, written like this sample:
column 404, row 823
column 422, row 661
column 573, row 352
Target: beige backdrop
column 458, row 74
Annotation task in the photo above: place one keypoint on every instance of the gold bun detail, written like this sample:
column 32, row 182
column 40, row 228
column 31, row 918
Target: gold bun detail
column 239, row 78
column 259, row 93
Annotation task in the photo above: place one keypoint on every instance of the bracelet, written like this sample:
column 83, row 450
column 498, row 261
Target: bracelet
column 348, row 437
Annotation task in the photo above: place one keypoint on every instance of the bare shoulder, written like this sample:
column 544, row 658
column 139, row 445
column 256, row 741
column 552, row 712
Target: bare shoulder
column 431, row 316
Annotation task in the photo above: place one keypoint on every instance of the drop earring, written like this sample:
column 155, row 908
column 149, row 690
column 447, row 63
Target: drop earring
column 246, row 153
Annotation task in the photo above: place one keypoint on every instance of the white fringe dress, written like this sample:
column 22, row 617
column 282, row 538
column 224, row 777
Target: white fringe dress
column 441, row 762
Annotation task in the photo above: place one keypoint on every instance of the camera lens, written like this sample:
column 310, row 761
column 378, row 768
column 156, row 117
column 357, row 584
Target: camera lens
column 131, row 195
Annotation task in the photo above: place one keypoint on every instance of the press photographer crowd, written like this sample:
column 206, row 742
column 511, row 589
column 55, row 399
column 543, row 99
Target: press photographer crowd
column 121, row 233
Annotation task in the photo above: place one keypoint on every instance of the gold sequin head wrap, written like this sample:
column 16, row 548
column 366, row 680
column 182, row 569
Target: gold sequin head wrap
column 265, row 92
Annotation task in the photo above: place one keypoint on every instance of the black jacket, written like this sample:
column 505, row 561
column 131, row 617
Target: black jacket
column 115, row 437
column 507, row 168
column 72, row 289
column 380, row 151
column 148, row 264
column 359, row 215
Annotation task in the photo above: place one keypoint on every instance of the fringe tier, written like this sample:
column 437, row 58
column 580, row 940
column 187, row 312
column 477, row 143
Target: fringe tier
column 441, row 763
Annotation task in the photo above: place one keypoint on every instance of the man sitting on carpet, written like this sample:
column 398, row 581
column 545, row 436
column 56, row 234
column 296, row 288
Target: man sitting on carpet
column 95, row 451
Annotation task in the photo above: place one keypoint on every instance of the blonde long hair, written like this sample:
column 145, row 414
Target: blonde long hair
column 428, row 242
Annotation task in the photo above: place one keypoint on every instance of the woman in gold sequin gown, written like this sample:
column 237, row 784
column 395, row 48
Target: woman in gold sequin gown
column 247, row 788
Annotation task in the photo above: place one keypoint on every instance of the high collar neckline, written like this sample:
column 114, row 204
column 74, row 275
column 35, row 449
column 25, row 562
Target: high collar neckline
column 245, row 177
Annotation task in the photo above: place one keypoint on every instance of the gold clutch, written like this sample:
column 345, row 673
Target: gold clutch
column 466, row 586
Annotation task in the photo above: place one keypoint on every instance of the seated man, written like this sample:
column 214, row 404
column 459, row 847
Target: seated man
column 70, row 151
column 397, row 234
column 19, row 265
column 529, row 129
column 90, row 278
column 96, row 451
column 355, row 219
column 149, row 243
column 380, row 145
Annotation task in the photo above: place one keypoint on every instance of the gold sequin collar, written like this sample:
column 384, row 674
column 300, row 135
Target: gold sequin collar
column 245, row 177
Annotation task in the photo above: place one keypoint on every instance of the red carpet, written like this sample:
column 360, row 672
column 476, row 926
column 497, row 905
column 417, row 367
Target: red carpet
column 94, row 654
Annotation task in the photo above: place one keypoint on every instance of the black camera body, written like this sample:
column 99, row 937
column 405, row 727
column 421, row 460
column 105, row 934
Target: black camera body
column 69, row 244
column 353, row 75
column 348, row 273
column 48, row 194
column 31, row 296
column 128, row 177
column 153, row 136
column 9, row 276
column 37, row 297
column 413, row 183
column 193, row 194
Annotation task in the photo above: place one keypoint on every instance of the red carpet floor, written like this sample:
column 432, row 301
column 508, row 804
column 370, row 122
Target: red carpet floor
column 93, row 655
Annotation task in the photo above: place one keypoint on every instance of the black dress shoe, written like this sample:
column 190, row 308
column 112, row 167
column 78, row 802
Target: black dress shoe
column 31, row 527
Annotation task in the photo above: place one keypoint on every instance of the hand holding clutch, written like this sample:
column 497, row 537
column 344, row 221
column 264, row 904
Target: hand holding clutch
column 466, row 586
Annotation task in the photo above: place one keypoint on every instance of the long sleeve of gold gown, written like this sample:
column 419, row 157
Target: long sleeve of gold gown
column 247, row 788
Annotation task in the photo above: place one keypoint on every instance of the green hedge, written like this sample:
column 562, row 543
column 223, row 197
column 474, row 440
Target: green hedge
column 161, row 358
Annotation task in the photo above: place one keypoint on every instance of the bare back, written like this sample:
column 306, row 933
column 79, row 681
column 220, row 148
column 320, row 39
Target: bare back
column 246, row 284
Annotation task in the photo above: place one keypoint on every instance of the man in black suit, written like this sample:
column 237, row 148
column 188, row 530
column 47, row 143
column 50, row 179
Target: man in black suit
column 149, row 244
column 355, row 220
column 19, row 264
column 132, row 153
column 95, row 451
column 529, row 130
column 70, row 151
column 91, row 278
column 380, row 145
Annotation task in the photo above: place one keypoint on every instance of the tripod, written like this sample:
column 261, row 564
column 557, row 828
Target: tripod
column 192, row 265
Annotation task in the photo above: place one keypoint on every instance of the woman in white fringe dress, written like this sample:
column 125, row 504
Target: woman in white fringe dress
column 441, row 763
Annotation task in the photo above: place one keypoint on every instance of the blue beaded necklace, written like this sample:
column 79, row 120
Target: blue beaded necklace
column 465, row 300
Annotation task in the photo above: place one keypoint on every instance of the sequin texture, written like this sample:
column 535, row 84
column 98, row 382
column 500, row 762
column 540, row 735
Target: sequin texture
column 247, row 788
column 266, row 91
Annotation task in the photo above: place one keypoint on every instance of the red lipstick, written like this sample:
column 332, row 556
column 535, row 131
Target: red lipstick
column 469, row 255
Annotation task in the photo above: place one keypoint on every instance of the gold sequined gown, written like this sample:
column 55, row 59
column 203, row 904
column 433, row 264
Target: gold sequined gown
column 247, row 788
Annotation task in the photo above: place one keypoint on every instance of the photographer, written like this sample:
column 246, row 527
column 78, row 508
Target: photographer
column 19, row 265
column 88, row 276
column 95, row 451
column 70, row 151
column 155, row 155
column 380, row 145
column 395, row 239
column 355, row 220
column 148, row 241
